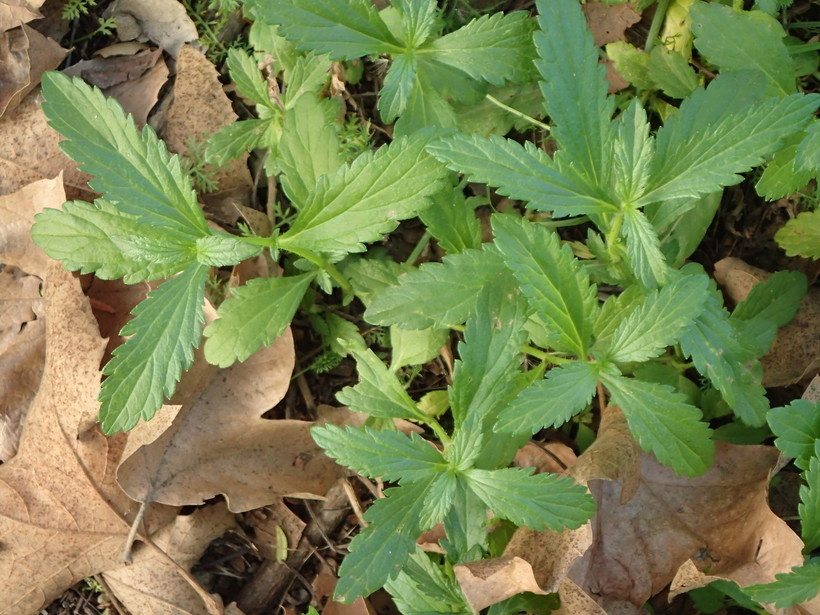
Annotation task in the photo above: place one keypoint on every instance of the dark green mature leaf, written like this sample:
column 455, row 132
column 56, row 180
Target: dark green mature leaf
column 417, row 20
column 367, row 199
column 789, row 588
column 781, row 179
column 345, row 29
column 427, row 106
column 399, row 83
column 551, row 278
column 809, row 507
column 380, row 550
column 248, row 79
column 536, row 501
column 166, row 328
column 452, row 221
column 81, row 235
column 236, row 138
column 648, row 330
column 551, row 402
column 808, row 152
column 387, row 454
column 415, row 303
column 632, row 153
column 378, row 393
column 797, row 427
column 644, row 249
column 132, row 169
column 663, row 423
column 575, row 87
column 492, row 48
column 252, row 317
column 521, row 172
column 439, row 498
column 422, row 588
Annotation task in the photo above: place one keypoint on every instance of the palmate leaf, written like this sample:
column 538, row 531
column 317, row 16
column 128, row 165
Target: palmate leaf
column 367, row 199
column 663, row 423
column 166, row 328
column 132, row 168
column 797, row 427
column 253, row 316
column 387, row 454
column 417, row 20
column 809, row 507
column 345, row 29
column 415, row 302
column 574, row 87
column 248, row 79
column 552, row 280
column 789, row 588
column 521, row 172
column 648, row 330
column 422, row 588
column 451, row 220
column 551, row 402
column 536, row 501
column 399, row 84
column 492, row 48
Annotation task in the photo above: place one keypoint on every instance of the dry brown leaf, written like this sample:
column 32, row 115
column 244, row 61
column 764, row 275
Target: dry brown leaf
column 795, row 352
column 323, row 586
column 17, row 212
column 267, row 521
column 15, row 12
column 165, row 22
column 553, row 457
column 487, row 582
column 151, row 585
column 62, row 516
column 221, row 445
column 609, row 22
column 575, row 601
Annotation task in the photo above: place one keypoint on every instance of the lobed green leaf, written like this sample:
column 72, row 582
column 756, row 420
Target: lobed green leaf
column 248, row 79
column 399, row 84
column 801, row 235
column 797, row 427
column 789, row 588
column 809, row 507
column 417, row 20
column 643, row 248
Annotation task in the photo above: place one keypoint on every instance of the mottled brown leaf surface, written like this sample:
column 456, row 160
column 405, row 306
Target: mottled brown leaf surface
column 15, row 12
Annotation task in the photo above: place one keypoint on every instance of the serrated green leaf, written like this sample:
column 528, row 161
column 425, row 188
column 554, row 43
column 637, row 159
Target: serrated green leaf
column 370, row 275
column 245, row 74
column 651, row 327
column 81, row 235
column 421, row 588
column 521, row 172
column 398, row 87
column 160, row 250
column 574, row 87
column 387, row 454
column 552, row 280
column 536, row 501
column 132, row 169
column 808, row 152
column 809, row 507
column 253, row 316
column 551, row 402
column 801, row 235
column 632, row 153
column 486, row 118
column 663, row 423
column 345, row 29
column 797, row 427
column 166, row 328
column 222, row 249
column 309, row 148
column 643, row 248
column 415, row 346
column 695, row 156
column 367, row 199
column 780, row 179
column 415, row 302
column 381, row 549
column 631, row 63
column 737, row 40
column 308, row 75
column 378, row 393
column 235, row 139
column 670, row 72
column 438, row 499
column 467, row 524
column 789, row 588
column 266, row 40
column 684, row 233
column 467, row 442
column 417, row 20
column 492, row 48
column 452, row 221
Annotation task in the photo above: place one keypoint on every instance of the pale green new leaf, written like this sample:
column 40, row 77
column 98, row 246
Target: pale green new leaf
column 537, row 501
column 492, row 48
column 663, row 423
column 253, row 316
column 808, row 152
column 737, row 40
column 426, row 108
column 422, row 588
column 789, row 588
column 439, row 498
column 235, row 139
column 309, row 148
column 551, row 402
column 166, row 328
column 632, row 153
column 81, row 236
column 797, row 427
column 451, row 220
column 345, row 29
column 378, row 393
column 387, row 454
column 399, row 83
column 670, row 72
column 308, row 75
column 644, row 249
column 574, row 87
column 380, row 550
column 132, row 168
column 367, row 199
column 809, row 507
column 159, row 250
column 521, row 172
column 417, row 20
column 415, row 346
column 780, row 179
column 552, row 279
column 415, row 302
column 370, row 275
column 648, row 330
column 801, row 235
column 222, row 249
column 248, row 79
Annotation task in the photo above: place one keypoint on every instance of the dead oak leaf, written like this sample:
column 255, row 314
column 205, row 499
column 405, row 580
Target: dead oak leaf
column 62, row 516
column 609, row 22
column 15, row 12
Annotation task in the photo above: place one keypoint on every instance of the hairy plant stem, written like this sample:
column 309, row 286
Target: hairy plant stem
column 655, row 26
column 518, row 113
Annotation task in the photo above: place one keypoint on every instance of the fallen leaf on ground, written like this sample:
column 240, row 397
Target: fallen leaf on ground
column 609, row 22
column 276, row 529
column 487, row 582
column 165, row 22
column 553, row 457
column 15, row 12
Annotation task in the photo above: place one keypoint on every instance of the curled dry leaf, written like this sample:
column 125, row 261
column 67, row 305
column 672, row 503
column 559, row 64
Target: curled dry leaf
column 15, row 12
column 219, row 444
column 795, row 352
column 487, row 582
column 165, row 22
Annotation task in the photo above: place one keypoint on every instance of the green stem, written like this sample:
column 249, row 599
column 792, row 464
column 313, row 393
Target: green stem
column 562, row 223
column 544, row 356
column 655, row 26
column 518, row 113
column 414, row 255
column 440, row 432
